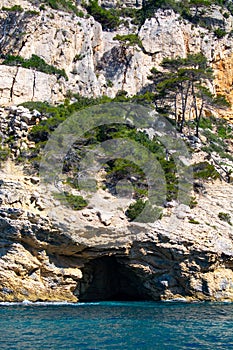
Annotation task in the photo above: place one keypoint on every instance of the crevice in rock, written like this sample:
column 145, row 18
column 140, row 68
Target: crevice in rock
column 108, row 278
column 34, row 85
column 13, row 83
column 23, row 44
column 127, row 60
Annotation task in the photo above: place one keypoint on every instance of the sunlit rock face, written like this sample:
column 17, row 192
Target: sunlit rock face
column 76, row 256
column 116, row 3
column 104, row 256
column 94, row 62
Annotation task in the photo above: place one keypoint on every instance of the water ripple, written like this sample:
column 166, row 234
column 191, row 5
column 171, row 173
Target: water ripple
column 116, row 325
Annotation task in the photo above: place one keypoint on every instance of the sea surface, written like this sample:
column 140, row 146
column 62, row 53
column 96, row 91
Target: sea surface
column 116, row 325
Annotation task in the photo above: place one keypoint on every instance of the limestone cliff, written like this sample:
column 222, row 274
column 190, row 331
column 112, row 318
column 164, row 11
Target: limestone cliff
column 49, row 252
column 98, row 259
column 94, row 62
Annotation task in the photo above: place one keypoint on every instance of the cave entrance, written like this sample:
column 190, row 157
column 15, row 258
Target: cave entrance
column 108, row 279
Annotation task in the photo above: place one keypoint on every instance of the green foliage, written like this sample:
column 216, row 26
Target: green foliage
column 32, row 13
column 214, row 147
column 225, row 217
column 205, row 171
column 4, row 153
column 34, row 62
column 15, row 8
column 75, row 202
column 219, row 33
column 72, row 182
column 145, row 99
column 226, row 15
column 183, row 8
column 193, row 202
column 121, row 96
column 213, row 137
column 193, row 221
column 149, row 8
column 64, row 5
column 150, row 215
column 57, row 114
column 109, row 83
column 180, row 85
column 78, row 57
column 129, row 39
column 221, row 101
column 135, row 209
column 108, row 18
column 206, row 123
column 221, row 131
column 223, row 127
column 121, row 168
column 225, row 132
column 200, row 2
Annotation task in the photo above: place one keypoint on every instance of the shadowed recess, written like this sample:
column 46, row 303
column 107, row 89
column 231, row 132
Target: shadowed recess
column 108, row 279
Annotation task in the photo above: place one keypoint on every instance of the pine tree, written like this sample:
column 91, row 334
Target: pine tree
column 181, row 88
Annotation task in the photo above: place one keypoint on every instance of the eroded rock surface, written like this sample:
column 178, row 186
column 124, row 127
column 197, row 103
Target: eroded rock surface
column 94, row 62
column 49, row 252
column 76, row 256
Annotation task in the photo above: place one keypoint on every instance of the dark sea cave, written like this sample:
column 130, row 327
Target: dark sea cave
column 110, row 280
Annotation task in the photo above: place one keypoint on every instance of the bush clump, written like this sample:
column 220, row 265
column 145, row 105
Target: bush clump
column 225, row 217
column 151, row 213
column 205, row 171
column 193, row 221
column 129, row 39
column 64, row 5
column 4, row 153
column 135, row 209
column 75, row 202
column 57, row 114
column 15, row 8
column 108, row 18
column 219, row 33
column 35, row 62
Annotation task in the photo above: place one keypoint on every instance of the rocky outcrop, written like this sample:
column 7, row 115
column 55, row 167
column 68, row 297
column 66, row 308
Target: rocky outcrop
column 20, row 84
column 48, row 251
column 94, row 62
column 116, row 3
column 223, row 68
column 16, row 122
column 75, row 256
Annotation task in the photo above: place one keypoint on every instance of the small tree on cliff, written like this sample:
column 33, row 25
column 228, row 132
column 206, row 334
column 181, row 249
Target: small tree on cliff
column 181, row 88
column 199, row 5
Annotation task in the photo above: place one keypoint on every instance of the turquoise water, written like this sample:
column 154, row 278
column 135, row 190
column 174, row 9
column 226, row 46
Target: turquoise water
column 117, row 325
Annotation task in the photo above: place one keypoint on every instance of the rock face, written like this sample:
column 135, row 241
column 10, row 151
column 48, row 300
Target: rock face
column 48, row 252
column 52, row 258
column 20, row 84
column 224, row 78
column 117, row 4
column 97, row 64
column 124, row 3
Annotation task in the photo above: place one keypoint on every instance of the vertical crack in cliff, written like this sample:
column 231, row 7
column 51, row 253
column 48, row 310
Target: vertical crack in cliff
column 127, row 60
column 13, row 83
column 34, row 85
column 24, row 42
